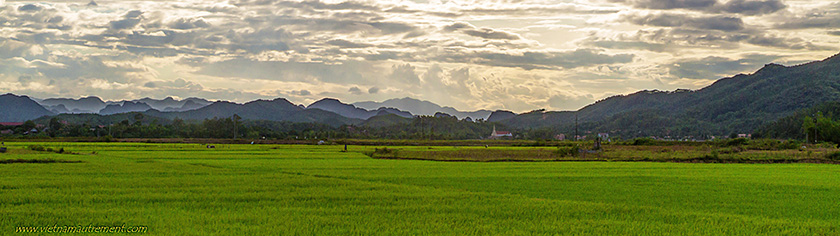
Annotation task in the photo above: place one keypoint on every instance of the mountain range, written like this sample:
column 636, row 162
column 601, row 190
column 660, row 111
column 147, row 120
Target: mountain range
column 329, row 111
column 351, row 111
column 425, row 108
column 740, row 103
column 96, row 105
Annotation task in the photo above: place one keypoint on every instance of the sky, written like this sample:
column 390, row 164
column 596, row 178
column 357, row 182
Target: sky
column 516, row 55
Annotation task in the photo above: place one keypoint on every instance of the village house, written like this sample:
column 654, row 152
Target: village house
column 560, row 137
column 499, row 134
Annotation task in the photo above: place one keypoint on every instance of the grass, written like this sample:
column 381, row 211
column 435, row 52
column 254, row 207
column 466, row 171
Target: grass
column 187, row 189
column 723, row 153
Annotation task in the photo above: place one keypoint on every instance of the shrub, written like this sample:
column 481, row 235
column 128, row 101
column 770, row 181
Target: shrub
column 383, row 153
column 571, row 151
column 730, row 150
column 790, row 144
column 106, row 139
column 40, row 148
column 644, row 141
column 714, row 155
column 833, row 156
column 736, row 142
column 37, row 148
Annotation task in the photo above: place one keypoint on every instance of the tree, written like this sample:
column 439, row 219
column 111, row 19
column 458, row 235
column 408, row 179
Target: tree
column 28, row 125
column 55, row 126
column 236, row 119
column 808, row 126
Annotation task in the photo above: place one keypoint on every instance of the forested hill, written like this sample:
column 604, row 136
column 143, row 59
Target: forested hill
column 15, row 108
column 740, row 103
column 274, row 110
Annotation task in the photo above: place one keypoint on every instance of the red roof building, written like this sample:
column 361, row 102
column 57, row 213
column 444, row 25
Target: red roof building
column 500, row 134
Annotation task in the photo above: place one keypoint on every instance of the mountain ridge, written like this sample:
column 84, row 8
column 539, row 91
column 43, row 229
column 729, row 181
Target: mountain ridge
column 351, row 111
column 422, row 107
column 740, row 103
column 20, row 108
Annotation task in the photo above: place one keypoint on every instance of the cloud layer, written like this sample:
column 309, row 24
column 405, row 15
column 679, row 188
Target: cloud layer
column 469, row 54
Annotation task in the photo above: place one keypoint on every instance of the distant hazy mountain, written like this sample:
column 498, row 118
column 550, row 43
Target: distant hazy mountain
column 188, row 106
column 20, row 108
column 397, row 112
column 351, row 111
column 419, row 107
column 58, row 109
column 385, row 119
column 95, row 104
column 500, row 115
column 82, row 105
column 125, row 107
column 275, row 110
column 170, row 103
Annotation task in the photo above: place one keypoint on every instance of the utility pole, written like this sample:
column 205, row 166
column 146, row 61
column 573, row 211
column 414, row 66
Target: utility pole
column 235, row 117
column 576, row 127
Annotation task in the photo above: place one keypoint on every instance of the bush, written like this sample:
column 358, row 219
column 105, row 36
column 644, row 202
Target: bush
column 730, row 150
column 644, row 142
column 736, row 142
column 714, row 155
column 40, row 148
column 835, row 156
column 571, row 151
column 790, row 144
column 106, row 139
column 383, row 153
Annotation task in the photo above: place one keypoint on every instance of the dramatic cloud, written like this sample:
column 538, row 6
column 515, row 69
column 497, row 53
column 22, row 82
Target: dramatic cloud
column 485, row 33
column 670, row 4
column 752, row 7
column 676, row 20
column 498, row 54
column 355, row 91
column 539, row 60
column 715, row 66
column 823, row 17
column 745, row 7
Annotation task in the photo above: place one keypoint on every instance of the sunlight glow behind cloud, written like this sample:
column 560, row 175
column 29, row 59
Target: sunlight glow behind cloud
column 498, row 54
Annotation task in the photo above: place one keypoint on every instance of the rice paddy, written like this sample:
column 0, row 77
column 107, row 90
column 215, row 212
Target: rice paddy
column 189, row 189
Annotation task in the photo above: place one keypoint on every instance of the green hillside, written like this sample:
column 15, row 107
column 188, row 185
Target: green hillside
column 739, row 104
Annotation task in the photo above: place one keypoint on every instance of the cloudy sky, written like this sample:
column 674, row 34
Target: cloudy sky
column 470, row 54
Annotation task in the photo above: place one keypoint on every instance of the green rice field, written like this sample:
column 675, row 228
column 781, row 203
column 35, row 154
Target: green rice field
column 189, row 189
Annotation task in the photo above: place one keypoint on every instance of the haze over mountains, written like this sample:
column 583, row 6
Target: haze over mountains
column 425, row 108
column 735, row 104
column 351, row 111
column 278, row 109
column 96, row 105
